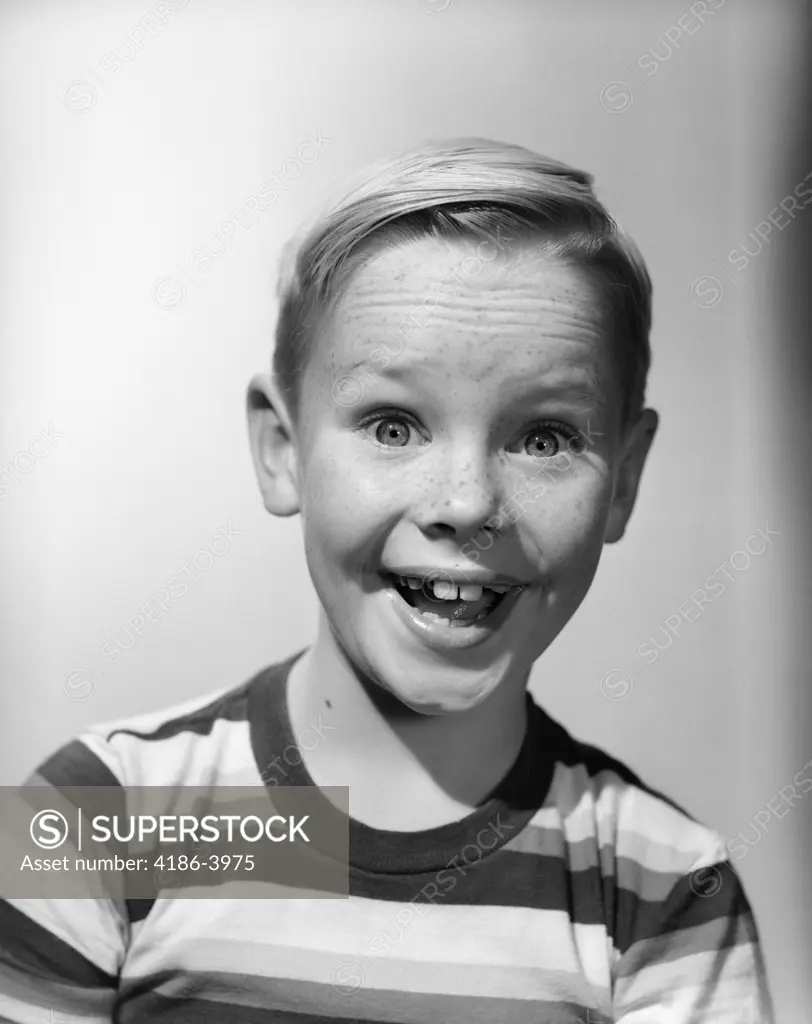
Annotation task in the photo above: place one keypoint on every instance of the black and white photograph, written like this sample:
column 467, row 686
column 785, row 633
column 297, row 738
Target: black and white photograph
column 405, row 520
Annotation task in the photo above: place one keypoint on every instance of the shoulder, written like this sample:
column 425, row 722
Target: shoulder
column 632, row 832
column 195, row 742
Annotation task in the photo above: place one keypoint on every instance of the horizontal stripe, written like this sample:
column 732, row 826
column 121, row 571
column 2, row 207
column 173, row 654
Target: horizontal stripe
column 152, row 1008
column 676, row 851
column 505, row 880
column 293, row 1003
column 157, row 1010
column 14, row 1011
column 726, row 987
column 28, row 946
column 28, row 993
column 210, row 935
column 223, row 758
column 75, row 764
column 712, row 936
column 367, row 984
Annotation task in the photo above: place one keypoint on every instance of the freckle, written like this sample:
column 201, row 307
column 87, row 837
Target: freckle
column 328, row 703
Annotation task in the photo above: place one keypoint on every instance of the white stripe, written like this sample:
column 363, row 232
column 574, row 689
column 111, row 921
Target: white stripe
column 25, row 1013
column 90, row 926
column 666, row 992
column 201, row 934
column 223, row 758
column 605, row 807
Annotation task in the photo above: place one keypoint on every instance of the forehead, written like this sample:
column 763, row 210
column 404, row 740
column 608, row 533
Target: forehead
column 512, row 316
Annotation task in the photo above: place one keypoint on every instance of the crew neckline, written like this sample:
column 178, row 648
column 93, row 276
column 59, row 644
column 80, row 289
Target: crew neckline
column 504, row 814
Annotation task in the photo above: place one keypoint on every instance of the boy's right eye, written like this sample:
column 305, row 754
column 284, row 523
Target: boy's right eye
column 391, row 430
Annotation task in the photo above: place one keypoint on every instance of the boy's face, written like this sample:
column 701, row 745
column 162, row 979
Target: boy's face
column 482, row 446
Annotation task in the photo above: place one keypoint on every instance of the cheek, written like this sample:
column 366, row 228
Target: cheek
column 342, row 509
column 567, row 522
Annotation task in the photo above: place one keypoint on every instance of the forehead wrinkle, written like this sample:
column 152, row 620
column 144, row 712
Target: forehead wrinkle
column 505, row 308
column 521, row 298
column 499, row 331
column 561, row 326
column 583, row 385
column 536, row 314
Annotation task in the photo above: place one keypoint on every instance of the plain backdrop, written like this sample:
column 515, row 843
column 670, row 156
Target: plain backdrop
column 131, row 135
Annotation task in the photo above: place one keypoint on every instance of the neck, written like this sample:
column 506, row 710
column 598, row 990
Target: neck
column 405, row 770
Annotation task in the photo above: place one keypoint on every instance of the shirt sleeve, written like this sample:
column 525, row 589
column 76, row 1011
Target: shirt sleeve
column 60, row 958
column 699, row 959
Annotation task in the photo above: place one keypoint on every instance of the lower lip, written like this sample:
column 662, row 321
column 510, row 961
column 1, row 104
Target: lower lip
column 439, row 636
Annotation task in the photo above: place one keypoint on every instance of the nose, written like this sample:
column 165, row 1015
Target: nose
column 461, row 493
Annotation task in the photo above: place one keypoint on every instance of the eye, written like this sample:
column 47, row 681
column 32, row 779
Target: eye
column 547, row 440
column 393, row 433
column 392, row 430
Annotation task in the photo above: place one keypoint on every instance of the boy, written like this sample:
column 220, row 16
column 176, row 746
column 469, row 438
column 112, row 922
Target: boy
column 457, row 414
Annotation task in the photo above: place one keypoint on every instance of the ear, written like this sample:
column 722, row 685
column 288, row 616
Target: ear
column 635, row 448
column 273, row 446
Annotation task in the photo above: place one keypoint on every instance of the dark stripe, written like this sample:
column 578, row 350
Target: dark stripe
column 722, row 934
column 75, row 764
column 294, row 867
column 685, row 907
column 515, row 880
column 506, row 879
column 154, row 1009
column 138, row 910
column 302, row 1001
column 29, row 948
column 231, row 706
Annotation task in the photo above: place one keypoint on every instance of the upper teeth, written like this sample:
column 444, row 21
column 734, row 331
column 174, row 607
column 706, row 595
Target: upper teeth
column 445, row 590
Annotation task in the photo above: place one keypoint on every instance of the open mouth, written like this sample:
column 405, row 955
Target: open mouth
column 450, row 603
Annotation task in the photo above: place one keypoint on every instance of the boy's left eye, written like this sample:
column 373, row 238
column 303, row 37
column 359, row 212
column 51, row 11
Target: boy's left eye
column 543, row 443
column 546, row 441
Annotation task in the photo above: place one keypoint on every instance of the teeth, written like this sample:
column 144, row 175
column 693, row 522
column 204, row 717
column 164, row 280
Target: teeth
column 445, row 590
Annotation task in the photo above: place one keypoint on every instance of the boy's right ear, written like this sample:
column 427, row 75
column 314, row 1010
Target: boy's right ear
column 273, row 446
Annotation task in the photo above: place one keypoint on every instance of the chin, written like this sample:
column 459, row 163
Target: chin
column 429, row 688
column 438, row 671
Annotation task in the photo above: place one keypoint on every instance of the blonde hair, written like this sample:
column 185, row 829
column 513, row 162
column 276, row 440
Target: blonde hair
column 465, row 189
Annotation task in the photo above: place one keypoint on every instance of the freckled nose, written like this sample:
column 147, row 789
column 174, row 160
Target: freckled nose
column 460, row 496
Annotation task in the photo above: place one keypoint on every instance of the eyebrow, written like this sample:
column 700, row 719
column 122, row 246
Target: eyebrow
column 586, row 392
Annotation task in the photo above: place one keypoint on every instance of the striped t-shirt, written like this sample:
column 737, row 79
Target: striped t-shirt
column 574, row 895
